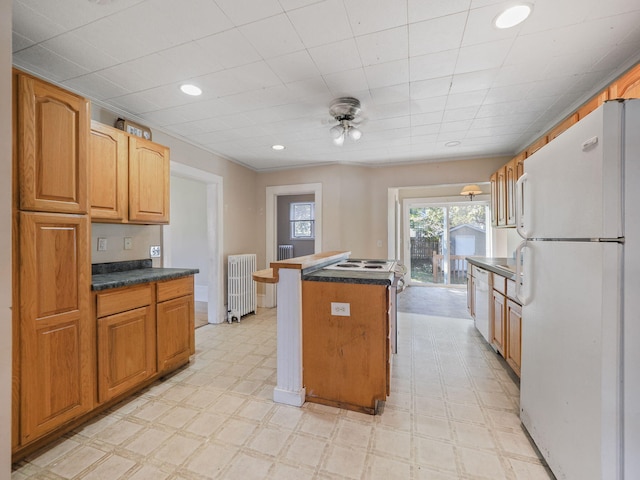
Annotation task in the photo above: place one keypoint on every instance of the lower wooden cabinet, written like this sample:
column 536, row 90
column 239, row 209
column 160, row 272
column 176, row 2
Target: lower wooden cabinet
column 126, row 339
column 55, row 374
column 514, row 335
column 175, row 317
column 498, row 318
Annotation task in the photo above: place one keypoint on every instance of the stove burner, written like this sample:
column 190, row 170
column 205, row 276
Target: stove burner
column 373, row 266
column 354, row 261
column 348, row 265
column 379, row 262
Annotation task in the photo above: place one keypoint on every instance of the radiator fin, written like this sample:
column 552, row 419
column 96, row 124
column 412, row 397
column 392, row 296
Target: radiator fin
column 242, row 292
column 285, row 251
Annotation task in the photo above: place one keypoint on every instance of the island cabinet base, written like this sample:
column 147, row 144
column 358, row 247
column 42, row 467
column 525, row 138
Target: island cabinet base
column 345, row 358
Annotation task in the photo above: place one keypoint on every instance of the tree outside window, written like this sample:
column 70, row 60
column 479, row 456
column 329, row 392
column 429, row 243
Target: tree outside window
column 302, row 217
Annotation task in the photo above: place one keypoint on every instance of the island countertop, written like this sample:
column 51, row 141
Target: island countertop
column 122, row 274
column 306, row 262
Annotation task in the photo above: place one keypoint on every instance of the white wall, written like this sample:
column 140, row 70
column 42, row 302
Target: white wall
column 5, row 239
column 142, row 236
column 188, row 228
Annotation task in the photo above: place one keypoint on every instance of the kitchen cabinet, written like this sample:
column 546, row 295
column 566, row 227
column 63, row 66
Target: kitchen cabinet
column 56, row 346
column 510, row 192
column 109, row 185
column 494, row 199
column 501, row 196
column 592, row 104
column 126, row 339
column 498, row 314
column 537, row 145
column 514, row 335
column 346, row 359
column 148, row 181
column 562, row 126
column 129, row 178
column 175, row 318
column 627, row 86
column 471, row 303
column 52, row 136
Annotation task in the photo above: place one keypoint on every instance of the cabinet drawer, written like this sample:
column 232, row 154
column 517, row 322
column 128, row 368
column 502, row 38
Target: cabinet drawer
column 123, row 299
column 175, row 288
column 499, row 283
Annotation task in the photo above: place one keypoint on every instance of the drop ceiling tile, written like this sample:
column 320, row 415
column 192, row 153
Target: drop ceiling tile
column 220, row 56
column 294, row 66
column 429, row 118
column 253, row 76
column 387, row 74
column 32, row 25
column 482, row 57
column 247, row 11
column 192, row 20
column 132, row 102
column 191, row 60
column 426, row 105
column 391, row 94
column 95, row 86
column 384, row 46
column 480, row 29
column 420, row 10
column 336, row 57
column 433, row 65
column 321, row 23
column 436, row 35
column 368, row 16
column 458, row 114
column 469, row 82
column 461, row 100
column 76, row 50
column 293, row 4
column 345, row 83
column 38, row 58
column 19, row 42
column 273, row 36
column 434, row 87
column 131, row 77
column 389, row 110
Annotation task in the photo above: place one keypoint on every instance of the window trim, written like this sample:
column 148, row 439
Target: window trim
column 293, row 222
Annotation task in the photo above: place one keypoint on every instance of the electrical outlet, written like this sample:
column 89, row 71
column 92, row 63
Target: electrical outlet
column 128, row 243
column 154, row 251
column 340, row 309
column 102, row 244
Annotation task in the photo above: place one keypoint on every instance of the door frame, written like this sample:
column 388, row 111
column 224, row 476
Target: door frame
column 272, row 226
column 409, row 203
column 216, row 310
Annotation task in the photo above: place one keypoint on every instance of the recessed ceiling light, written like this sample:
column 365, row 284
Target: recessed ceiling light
column 453, row 143
column 512, row 16
column 190, row 89
column 277, row 147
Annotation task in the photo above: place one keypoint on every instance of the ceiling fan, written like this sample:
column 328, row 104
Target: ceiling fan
column 345, row 111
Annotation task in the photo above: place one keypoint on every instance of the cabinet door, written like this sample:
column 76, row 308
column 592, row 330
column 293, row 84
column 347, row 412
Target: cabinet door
column 126, row 351
column 494, row 199
column 501, row 197
column 514, row 335
column 592, row 104
column 109, row 160
column 175, row 337
column 52, row 141
column 510, row 179
column 57, row 335
column 470, row 290
column 148, row 182
column 498, row 322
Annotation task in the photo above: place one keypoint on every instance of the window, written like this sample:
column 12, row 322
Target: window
column 302, row 220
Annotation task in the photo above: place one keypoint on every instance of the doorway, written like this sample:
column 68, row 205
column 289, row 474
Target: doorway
column 440, row 236
column 213, row 293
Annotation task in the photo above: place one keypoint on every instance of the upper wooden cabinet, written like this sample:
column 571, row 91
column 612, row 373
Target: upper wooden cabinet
column 494, row 199
column 537, row 145
column 129, row 178
column 52, row 141
column 627, row 86
column 510, row 178
column 148, row 181
column 592, row 104
column 562, row 126
column 501, row 196
column 109, row 159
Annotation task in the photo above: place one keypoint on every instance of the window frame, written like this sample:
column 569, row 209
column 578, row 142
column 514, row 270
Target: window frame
column 293, row 221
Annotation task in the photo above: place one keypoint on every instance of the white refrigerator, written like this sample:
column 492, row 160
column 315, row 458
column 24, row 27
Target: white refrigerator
column 580, row 289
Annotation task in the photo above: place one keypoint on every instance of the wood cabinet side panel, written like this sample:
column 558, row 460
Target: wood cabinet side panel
column 345, row 358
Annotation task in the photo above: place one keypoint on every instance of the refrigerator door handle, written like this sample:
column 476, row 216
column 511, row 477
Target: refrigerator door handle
column 520, row 212
column 521, row 281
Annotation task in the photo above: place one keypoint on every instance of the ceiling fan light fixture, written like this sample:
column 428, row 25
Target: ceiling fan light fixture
column 354, row 134
column 336, row 131
column 339, row 140
column 513, row 16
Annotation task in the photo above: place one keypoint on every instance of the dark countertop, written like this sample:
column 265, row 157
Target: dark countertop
column 496, row 265
column 122, row 274
column 350, row 276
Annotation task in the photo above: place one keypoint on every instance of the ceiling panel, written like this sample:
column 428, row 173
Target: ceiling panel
column 425, row 71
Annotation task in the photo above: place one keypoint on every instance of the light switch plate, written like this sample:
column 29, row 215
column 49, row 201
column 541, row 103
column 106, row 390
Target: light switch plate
column 154, row 251
column 340, row 309
column 128, row 243
column 102, row 244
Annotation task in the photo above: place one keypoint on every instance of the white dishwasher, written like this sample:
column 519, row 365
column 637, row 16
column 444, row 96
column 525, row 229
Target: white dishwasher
column 482, row 298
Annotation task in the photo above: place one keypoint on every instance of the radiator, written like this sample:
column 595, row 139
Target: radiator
column 241, row 287
column 285, row 251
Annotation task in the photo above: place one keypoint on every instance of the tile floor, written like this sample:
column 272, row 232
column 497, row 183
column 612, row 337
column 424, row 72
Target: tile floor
column 452, row 414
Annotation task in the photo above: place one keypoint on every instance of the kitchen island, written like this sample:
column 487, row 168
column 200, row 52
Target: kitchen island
column 335, row 323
